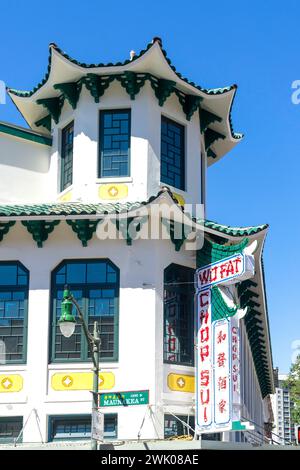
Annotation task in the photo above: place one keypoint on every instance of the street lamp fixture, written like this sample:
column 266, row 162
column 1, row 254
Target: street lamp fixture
column 67, row 324
column 67, row 321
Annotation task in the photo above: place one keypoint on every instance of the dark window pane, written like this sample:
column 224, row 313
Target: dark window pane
column 114, row 143
column 67, row 136
column 79, row 427
column 96, row 273
column 172, row 154
column 76, row 273
column 10, row 428
column 179, row 315
column 97, row 298
column 175, row 427
column 13, row 310
column 8, row 275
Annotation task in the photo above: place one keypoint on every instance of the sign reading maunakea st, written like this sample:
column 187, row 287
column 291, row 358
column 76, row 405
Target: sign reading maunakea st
column 140, row 397
column 218, row 364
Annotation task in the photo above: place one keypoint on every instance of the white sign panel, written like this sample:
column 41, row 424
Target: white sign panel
column 235, row 368
column 204, row 399
column 226, row 271
column 222, row 369
column 97, row 425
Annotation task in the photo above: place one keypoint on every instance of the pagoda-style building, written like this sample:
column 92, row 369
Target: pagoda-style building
column 106, row 146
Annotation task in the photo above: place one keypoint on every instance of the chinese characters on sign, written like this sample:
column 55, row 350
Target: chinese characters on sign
column 221, row 371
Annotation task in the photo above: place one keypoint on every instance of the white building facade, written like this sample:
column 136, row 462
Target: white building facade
column 106, row 140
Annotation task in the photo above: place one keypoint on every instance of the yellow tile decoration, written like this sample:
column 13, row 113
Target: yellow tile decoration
column 66, row 197
column 113, row 191
column 181, row 383
column 81, row 381
column 180, row 199
column 11, row 383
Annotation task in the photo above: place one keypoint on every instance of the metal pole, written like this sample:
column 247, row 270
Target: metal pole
column 95, row 352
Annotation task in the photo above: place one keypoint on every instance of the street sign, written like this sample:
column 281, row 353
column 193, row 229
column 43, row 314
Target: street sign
column 140, row 397
column 97, row 425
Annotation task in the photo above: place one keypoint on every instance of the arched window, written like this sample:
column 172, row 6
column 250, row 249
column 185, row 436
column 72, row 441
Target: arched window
column 179, row 315
column 95, row 285
column 14, row 282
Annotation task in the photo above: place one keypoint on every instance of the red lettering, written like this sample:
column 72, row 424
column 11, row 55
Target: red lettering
column 230, row 268
column 204, row 334
column 221, row 359
column 204, row 316
column 204, row 276
column 222, row 270
column 204, row 352
column 204, row 378
column 237, row 261
column 204, row 401
column 205, row 302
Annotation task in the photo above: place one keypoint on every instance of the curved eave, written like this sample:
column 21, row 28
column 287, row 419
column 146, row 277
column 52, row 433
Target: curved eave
column 153, row 59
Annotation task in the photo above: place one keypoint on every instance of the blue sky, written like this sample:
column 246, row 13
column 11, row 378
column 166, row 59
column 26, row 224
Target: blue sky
column 251, row 43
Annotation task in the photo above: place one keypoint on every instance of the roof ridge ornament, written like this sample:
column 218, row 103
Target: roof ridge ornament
column 157, row 39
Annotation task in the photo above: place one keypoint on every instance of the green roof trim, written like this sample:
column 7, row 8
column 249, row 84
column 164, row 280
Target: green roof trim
column 79, row 208
column 213, row 252
column 23, row 133
column 206, row 91
column 234, row 231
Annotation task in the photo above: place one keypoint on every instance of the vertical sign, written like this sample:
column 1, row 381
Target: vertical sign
column 235, row 368
column 97, row 425
column 204, row 359
column 222, row 385
column 218, row 399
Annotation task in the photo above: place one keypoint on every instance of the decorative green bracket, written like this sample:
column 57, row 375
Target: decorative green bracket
column 211, row 136
column 4, row 228
column 44, row 122
column 97, row 84
column 132, row 82
column 211, row 154
column 162, row 88
column 177, row 231
column 84, row 229
column 219, row 307
column 189, row 103
column 129, row 225
column 213, row 252
column 40, row 229
column 71, row 91
column 207, row 118
column 53, row 106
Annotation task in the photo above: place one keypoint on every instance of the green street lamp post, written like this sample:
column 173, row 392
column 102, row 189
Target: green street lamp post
column 67, row 323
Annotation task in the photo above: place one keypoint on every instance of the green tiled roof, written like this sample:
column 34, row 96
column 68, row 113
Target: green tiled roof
column 80, row 209
column 64, row 209
column 234, row 231
column 208, row 91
